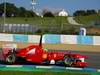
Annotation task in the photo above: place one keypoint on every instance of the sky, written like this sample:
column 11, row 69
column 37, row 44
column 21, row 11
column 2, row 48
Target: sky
column 69, row 5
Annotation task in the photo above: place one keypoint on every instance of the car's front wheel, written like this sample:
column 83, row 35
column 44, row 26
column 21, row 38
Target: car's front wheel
column 68, row 61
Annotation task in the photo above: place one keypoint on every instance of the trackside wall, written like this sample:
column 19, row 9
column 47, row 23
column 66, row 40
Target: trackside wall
column 53, row 41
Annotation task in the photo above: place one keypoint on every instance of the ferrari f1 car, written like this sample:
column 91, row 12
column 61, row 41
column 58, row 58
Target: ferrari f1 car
column 36, row 54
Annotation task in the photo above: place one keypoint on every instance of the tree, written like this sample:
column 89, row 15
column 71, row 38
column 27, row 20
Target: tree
column 1, row 8
column 21, row 12
column 80, row 13
column 30, row 14
column 12, row 10
column 1, row 13
column 84, row 12
column 48, row 14
column 90, row 12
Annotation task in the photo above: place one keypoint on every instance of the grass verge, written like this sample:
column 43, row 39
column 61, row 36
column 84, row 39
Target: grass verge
column 39, row 73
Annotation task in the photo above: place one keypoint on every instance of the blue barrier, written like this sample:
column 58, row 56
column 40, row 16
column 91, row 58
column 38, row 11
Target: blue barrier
column 20, row 38
column 85, row 40
column 52, row 39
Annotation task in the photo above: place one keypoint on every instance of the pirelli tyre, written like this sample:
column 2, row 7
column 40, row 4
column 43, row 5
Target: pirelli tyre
column 68, row 61
column 10, row 59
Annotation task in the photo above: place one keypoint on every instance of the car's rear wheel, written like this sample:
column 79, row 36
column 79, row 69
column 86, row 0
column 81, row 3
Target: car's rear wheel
column 10, row 59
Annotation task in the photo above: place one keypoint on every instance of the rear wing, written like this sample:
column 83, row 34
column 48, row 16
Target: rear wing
column 7, row 47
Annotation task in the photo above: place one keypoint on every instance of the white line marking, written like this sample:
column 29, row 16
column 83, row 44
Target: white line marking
column 14, row 65
column 49, row 67
column 71, row 68
column 98, row 70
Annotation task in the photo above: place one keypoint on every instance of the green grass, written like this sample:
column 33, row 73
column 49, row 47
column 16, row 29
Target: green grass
column 35, row 20
column 39, row 73
column 53, row 25
column 50, row 21
column 87, row 20
column 44, row 23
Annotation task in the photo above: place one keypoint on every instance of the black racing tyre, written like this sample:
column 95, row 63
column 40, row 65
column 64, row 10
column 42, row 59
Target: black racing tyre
column 67, row 61
column 10, row 59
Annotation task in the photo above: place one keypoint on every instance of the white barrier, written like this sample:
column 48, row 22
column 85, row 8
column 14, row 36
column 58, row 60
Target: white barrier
column 6, row 37
column 96, row 40
column 33, row 38
column 68, row 39
column 43, row 39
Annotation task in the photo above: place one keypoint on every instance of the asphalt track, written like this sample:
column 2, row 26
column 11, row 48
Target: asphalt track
column 93, row 59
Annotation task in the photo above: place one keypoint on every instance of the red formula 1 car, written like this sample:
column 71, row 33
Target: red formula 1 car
column 36, row 54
